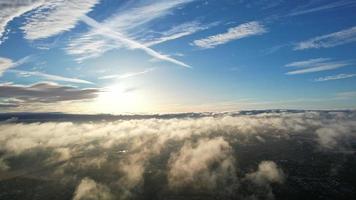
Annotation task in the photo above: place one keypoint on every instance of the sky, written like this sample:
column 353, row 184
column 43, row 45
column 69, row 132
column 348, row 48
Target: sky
column 158, row 56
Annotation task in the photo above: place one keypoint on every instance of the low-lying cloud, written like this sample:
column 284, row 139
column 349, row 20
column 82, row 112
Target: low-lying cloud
column 220, row 155
column 203, row 165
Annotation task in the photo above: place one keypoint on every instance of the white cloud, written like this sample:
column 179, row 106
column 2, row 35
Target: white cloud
column 335, row 77
column 5, row 64
column 129, row 43
column 268, row 172
column 127, row 75
column 46, row 18
column 89, row 189
column 9, row 10
column 330, row 40
column 178, row 31
column 329, row 135
column 196, row 153
column 311, row 8
column 307, row 63
column 315, row 65
column 141, row 14
column 54, row 17
column 235, row 33
column 191, row 166
column 50, row 77
column 128, row 29
column 321, row 67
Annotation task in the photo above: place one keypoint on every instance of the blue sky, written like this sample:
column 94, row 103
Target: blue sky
column 109, row 56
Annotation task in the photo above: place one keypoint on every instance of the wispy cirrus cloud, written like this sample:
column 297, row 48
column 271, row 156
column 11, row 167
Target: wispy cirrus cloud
column 329, row 40
column 54, row 17
column 178, row 31
column 335, row 77
column 9, row 10
column 127, row 75
column 6, row 63
column 235, row 33
column 346, row 95
column 317, row 6
column 46, row 18
column 129, row 43
column 50, row 77
column 306, row 63
column 315, row 65
column 132, row 24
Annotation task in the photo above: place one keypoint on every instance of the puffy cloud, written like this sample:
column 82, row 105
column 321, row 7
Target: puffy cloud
column 207, row 164
column 89, row 189
column 268, row 172
column 330, row 135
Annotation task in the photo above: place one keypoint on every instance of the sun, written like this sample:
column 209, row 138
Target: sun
column 118, row 98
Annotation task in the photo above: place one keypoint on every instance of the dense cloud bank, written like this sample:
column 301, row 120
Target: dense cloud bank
column 261, row 155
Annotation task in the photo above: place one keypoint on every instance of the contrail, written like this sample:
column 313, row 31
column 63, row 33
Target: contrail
column 131, row 44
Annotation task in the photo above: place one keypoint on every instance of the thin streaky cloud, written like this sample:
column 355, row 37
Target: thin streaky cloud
column 329, row 6
column 133, row 22
column 335, row 77
column 142, row 13
column 129, row 43
column 346, row 95
column 6, row 63
column 307, row 63
column 55, row 17
column 235, row 33
column 179, row 31
column 319, row 67
column 127, row 75
column 50, row 77
column 330, row 40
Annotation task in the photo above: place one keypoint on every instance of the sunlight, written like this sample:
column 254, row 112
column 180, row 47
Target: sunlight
column 118, row 98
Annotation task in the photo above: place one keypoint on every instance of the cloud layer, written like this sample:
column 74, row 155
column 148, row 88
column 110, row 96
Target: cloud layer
column 222, row 155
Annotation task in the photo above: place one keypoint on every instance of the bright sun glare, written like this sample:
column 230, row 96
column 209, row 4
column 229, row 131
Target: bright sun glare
column 119, row 99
